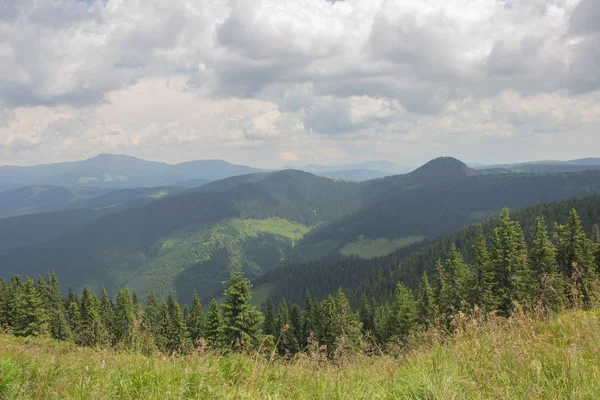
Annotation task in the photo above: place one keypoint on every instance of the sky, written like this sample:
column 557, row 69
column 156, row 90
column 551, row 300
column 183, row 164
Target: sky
column 290, row 82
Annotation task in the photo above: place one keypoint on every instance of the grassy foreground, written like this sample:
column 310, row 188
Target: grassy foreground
column 520, row 358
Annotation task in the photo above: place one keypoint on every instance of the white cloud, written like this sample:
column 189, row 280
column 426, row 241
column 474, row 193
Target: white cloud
column 325, row 81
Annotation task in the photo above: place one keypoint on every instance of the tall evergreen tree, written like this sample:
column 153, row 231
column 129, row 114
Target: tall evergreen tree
column 509, row 262
column 127, row 326
column 241, row 321
column 460, row 279
column 403, row 315
column 152, row 316
column 107, row 313
column 92, row 331
column 444, row 292
column 31, row 317
column 269, row 321
column 73, row 307
column 287, row 341
column 57, row 312
column 214, row 323
column 576, row 257
column 483, row 278
column 176, row 331
column 366, row 314
column 196, row 323
column 547, row 284
column 426, row 307
column 13, row 297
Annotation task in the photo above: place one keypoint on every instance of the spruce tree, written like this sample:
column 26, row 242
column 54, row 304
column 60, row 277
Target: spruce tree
column 286, row 337
column 366, row 315
column 73, row 307
column 403, row 315
column 269, row 321
column 548, row 286
column 213, row 324
column 107, row 313
column 152, row 316
column 127, row 327
column 483, row 278
column 31, row 317
column 92, row 330
column 460, row 279
column 196, row 321
column 311, row 318
column 509, row 262
column 56, row 308
column 177, row 339
column 13, row 297
column 426, row 307
column 576, row 257
column 241, row 321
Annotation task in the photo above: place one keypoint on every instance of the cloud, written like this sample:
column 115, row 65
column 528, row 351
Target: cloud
column 254, row 80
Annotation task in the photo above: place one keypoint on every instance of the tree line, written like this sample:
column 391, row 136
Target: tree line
column 557, row 269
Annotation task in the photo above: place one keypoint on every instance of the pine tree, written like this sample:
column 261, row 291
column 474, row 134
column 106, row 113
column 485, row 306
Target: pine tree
column 444, row 292
column 31, row 317
column 152, row 316
column 56, row 309
column 241, row 321
column 269, row 321
column 196, row 323
column 177, row 339
column 483, row 278
column 73, row 307
column 13, row 296
column 92, row 330
column 426, row 307
column 287, row 342
column 213, row 324
column 107, row 313
column 460, row 279
column 548, row 286
column 403, row 315
column 509, row 262
column 311, row 319
column 576, row 257
column 127, row 327
column 366, row 315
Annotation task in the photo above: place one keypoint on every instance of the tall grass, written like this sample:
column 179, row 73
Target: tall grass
column 501, row 359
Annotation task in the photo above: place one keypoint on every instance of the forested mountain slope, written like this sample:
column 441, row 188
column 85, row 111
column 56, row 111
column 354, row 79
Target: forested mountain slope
column 162, row 244
column 36, row 199
column 436, row 210
column 377, row 278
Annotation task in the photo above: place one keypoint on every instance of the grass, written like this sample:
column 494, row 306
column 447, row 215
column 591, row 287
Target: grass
column 372, row 248
column 517, row 359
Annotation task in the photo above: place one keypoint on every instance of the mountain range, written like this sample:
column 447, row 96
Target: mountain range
column 175, row 240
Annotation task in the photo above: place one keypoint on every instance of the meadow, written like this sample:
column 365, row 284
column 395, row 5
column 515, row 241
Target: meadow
column 517, row 358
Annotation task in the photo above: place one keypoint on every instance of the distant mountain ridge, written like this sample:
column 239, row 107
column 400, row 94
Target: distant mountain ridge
column 120, row 171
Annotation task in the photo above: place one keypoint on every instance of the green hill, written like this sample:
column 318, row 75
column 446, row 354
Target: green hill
column 435, row 210
column 200, row 235
column 377, row 278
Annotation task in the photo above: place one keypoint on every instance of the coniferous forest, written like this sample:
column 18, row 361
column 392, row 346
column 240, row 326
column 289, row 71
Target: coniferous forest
column 510, row 269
